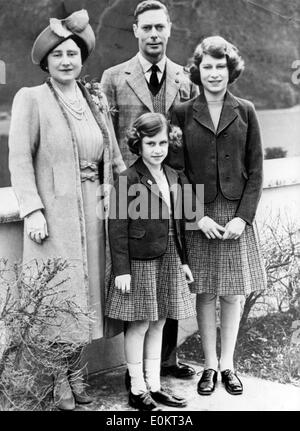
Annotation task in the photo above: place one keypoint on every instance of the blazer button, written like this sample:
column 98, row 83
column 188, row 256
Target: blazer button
column 227, row 178
column 225, row 134
column 227, row 156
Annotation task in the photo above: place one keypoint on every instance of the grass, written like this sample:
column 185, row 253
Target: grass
column 263, row 349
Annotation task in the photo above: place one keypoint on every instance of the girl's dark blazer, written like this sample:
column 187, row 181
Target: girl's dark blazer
column 231, row 156
column 144, row 238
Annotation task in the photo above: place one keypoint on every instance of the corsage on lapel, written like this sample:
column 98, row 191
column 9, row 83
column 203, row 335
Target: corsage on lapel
column 97, row 95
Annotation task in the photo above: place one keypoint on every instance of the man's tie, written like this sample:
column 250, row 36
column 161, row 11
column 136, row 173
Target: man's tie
column 154, row 83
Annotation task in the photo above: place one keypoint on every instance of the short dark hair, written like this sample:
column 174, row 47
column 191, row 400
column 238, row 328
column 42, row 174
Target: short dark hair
column 146, row 5
column 217, row 47
column 150, row 124
column 79, row 42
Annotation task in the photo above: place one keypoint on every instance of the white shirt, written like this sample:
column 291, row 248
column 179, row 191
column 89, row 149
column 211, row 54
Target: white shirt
column 146, row 66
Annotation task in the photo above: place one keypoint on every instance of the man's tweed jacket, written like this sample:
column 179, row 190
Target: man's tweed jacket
column 127, row 91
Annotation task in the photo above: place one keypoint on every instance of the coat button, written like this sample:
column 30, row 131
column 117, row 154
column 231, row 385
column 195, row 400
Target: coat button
column 227, row 178
column 227, row 156
column 225, row 134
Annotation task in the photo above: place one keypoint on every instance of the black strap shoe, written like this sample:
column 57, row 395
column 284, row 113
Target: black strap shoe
column 180, row 371
column 143, row 401
column 207, row 383
column 168, row 399
column 232, row 383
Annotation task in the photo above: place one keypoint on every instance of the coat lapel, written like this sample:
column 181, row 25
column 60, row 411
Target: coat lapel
column 148, row 180
column 172, row 178
column 137, row 82
column 172, row 83
column 201, row 113
column 228, row 114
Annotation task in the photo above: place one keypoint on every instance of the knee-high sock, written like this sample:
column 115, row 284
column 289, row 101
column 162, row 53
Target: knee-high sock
column 152, row 374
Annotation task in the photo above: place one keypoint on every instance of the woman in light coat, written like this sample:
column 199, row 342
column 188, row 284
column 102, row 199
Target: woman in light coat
column 61, row 148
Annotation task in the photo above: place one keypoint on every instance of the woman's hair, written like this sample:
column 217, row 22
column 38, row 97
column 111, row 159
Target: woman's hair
column 217, row 47
column 150, row 124
column 79, row 42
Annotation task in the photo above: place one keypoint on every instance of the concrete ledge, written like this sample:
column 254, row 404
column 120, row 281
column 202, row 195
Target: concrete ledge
column 110, row 394
column 281, row 172
column 9, row 206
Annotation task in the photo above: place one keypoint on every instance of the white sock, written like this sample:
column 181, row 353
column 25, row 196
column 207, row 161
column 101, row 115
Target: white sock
column 152, row 374
column 138, row 385
column 226, row 363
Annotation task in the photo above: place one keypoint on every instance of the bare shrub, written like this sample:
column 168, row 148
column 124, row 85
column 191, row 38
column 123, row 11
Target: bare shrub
column 30, row 303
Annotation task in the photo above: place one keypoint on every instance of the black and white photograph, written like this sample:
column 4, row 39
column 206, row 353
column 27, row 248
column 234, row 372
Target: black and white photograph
column 150, row 208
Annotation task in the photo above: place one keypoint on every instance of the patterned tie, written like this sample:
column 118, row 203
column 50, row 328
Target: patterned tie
column 153, row 78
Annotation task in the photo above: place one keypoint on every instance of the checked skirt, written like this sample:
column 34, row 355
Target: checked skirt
column 230, row 267
column 158, row 290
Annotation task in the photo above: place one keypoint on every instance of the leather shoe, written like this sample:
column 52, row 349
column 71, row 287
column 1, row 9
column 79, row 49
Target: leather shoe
column 232, row 383
column 207, row 383
column 142, row 401
column 180, row 371
column 168, row 399
column 82, row 397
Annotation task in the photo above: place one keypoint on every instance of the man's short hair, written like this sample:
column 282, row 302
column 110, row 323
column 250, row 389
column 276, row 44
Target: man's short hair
column 146, row 5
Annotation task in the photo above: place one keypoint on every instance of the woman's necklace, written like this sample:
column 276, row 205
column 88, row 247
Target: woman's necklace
column 77, row 106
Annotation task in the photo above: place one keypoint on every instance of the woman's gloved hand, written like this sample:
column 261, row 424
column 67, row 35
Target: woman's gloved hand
column 36, row 226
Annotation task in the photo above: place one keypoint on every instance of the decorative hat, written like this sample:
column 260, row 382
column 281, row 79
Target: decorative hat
column 59, row 30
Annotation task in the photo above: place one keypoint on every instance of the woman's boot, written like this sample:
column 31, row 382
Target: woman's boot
column 62, row 393
column 76, row 380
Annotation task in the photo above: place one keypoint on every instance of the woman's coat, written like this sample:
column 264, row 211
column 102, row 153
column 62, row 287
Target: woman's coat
column 45, row 175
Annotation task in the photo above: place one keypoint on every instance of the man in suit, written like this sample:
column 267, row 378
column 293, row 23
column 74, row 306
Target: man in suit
column 149, row 82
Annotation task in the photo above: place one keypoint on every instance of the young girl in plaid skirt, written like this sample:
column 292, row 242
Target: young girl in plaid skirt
column 150, row 271
column 222, row 150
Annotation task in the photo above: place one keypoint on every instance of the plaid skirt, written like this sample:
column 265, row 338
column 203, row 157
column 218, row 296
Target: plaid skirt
column 230, row 267
column 158, row 290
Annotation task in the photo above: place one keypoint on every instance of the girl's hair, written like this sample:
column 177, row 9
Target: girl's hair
column 150, row 124
column 79, row 42
column 217, row 47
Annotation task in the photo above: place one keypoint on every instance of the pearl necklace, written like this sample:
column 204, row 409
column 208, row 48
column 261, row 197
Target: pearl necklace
column 77, row 106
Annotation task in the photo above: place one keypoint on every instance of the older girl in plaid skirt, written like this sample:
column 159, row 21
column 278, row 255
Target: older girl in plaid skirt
column 223, row 151
column 150, row 271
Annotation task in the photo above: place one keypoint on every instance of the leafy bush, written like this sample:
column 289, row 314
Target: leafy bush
column 275, row 153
